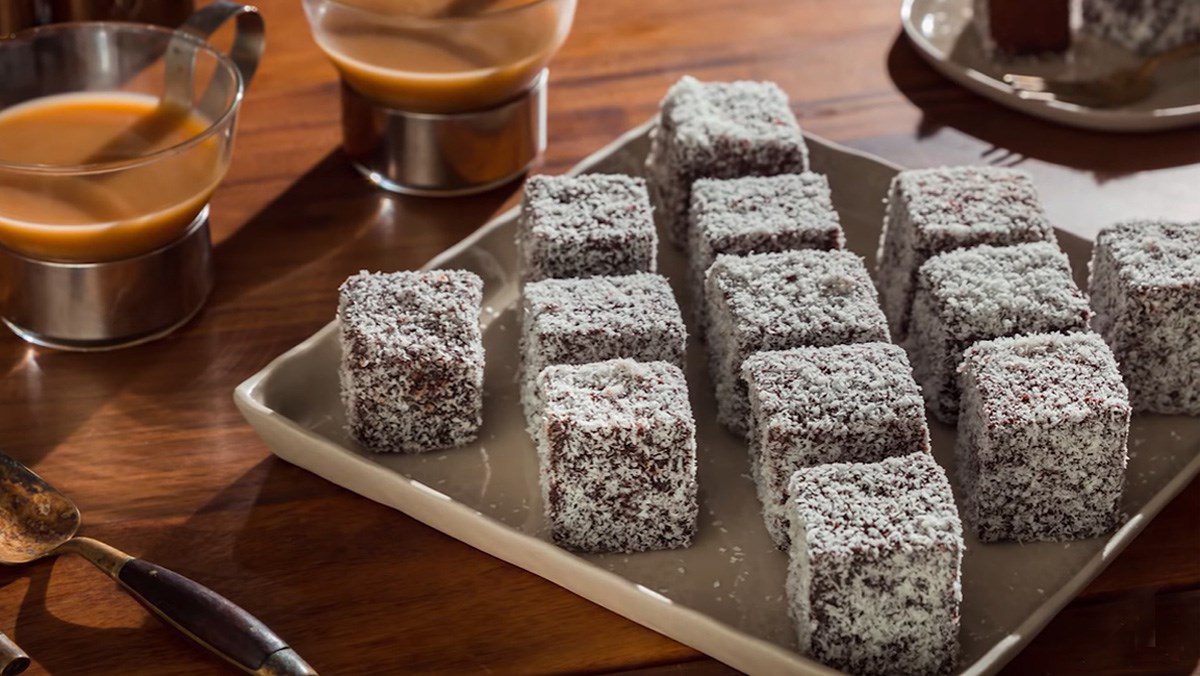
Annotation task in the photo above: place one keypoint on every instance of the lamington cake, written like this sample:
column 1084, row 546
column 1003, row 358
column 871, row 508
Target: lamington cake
column 932, row 211
column 412, row 359
column 579, row 321
column 981, row 293
column 874, row 581
column 756, row 214
column 583, row 226
column 1021, row 27
column 777, row 301
column 1145, row 288
column 617, row 453
column 816, row 405
column 718, row 130
column 1042, row 437
column 1143, row 26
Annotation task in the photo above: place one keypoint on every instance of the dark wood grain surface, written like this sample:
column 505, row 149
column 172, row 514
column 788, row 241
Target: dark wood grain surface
column 148, row 443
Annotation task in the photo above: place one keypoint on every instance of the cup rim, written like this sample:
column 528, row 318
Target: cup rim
column 483, row 16
column 99, row 167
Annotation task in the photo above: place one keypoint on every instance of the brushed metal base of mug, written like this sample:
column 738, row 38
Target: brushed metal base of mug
column 444, row 155
column 104, row 306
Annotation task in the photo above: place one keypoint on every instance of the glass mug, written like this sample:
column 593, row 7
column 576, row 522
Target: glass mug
column 441, row 96
column 113, row 137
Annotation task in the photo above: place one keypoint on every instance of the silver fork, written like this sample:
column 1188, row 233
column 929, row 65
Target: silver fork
column 1118, row 88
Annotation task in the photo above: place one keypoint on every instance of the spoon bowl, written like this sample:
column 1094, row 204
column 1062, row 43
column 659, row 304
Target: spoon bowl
column 35, row 519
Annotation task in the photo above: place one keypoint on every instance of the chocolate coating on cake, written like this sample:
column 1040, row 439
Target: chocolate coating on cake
column 816, row 405
column 1042, row 437
column 933, row 211
column 1023, row 27
column 584, row 226
column 718, row 130
column 874, row 582
column 1145, row 288
column 986, row 292
column 756, row 214
column 412, row 359
column 617, row 453
column 776, row 301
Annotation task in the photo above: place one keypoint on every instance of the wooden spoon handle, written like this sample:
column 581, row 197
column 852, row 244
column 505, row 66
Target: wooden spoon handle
column 211, row 620
column 202, row 614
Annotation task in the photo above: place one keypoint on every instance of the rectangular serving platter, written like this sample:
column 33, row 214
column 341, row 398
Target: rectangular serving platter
column 725, row 594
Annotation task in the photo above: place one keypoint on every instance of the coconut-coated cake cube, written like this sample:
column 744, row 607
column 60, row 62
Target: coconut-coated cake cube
column 579, row 321
column 718, row 130
column 816, row 405
column 1042, row 437
column 583, row 226
column 1144, row 27
column 412, row 359
column 874, row 581
column 777, row 301
column 756, row 214
column 617, row 453
column 1145, row 289
column 982, row 293
column 932, row 211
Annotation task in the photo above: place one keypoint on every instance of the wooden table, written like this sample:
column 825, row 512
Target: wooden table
column 147, row 440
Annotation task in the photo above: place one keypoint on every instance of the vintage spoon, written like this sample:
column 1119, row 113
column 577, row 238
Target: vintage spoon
column 37, row 521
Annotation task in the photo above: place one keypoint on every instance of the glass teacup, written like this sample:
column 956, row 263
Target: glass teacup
column 441, row 96
column 113, row 136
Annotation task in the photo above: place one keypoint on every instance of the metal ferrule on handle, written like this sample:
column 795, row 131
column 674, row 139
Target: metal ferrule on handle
column 13, row 660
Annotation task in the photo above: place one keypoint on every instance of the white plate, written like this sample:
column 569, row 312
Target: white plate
column 724, row 595
column 943, row 33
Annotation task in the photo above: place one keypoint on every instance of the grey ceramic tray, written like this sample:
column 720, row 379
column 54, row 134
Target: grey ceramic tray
column 724, row 595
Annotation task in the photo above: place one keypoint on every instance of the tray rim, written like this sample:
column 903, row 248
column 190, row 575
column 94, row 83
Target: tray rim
column 602, row 587
column 1070, row 114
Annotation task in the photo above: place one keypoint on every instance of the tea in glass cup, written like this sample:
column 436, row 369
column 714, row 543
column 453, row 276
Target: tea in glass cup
column 441, row 96
column 113, row 137
column 89, row 177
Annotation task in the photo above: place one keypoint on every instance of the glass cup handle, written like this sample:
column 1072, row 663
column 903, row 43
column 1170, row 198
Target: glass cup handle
column 246, row 51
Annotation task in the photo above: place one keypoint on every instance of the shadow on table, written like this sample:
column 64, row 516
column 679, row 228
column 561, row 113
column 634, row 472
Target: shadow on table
column 332, row 212
column 62, row 646
column 1014, row 136
column 262, row 541
column 267, row 536
column 323, row 210
column 328, row 224
column 277, row 275
column 37, row 387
